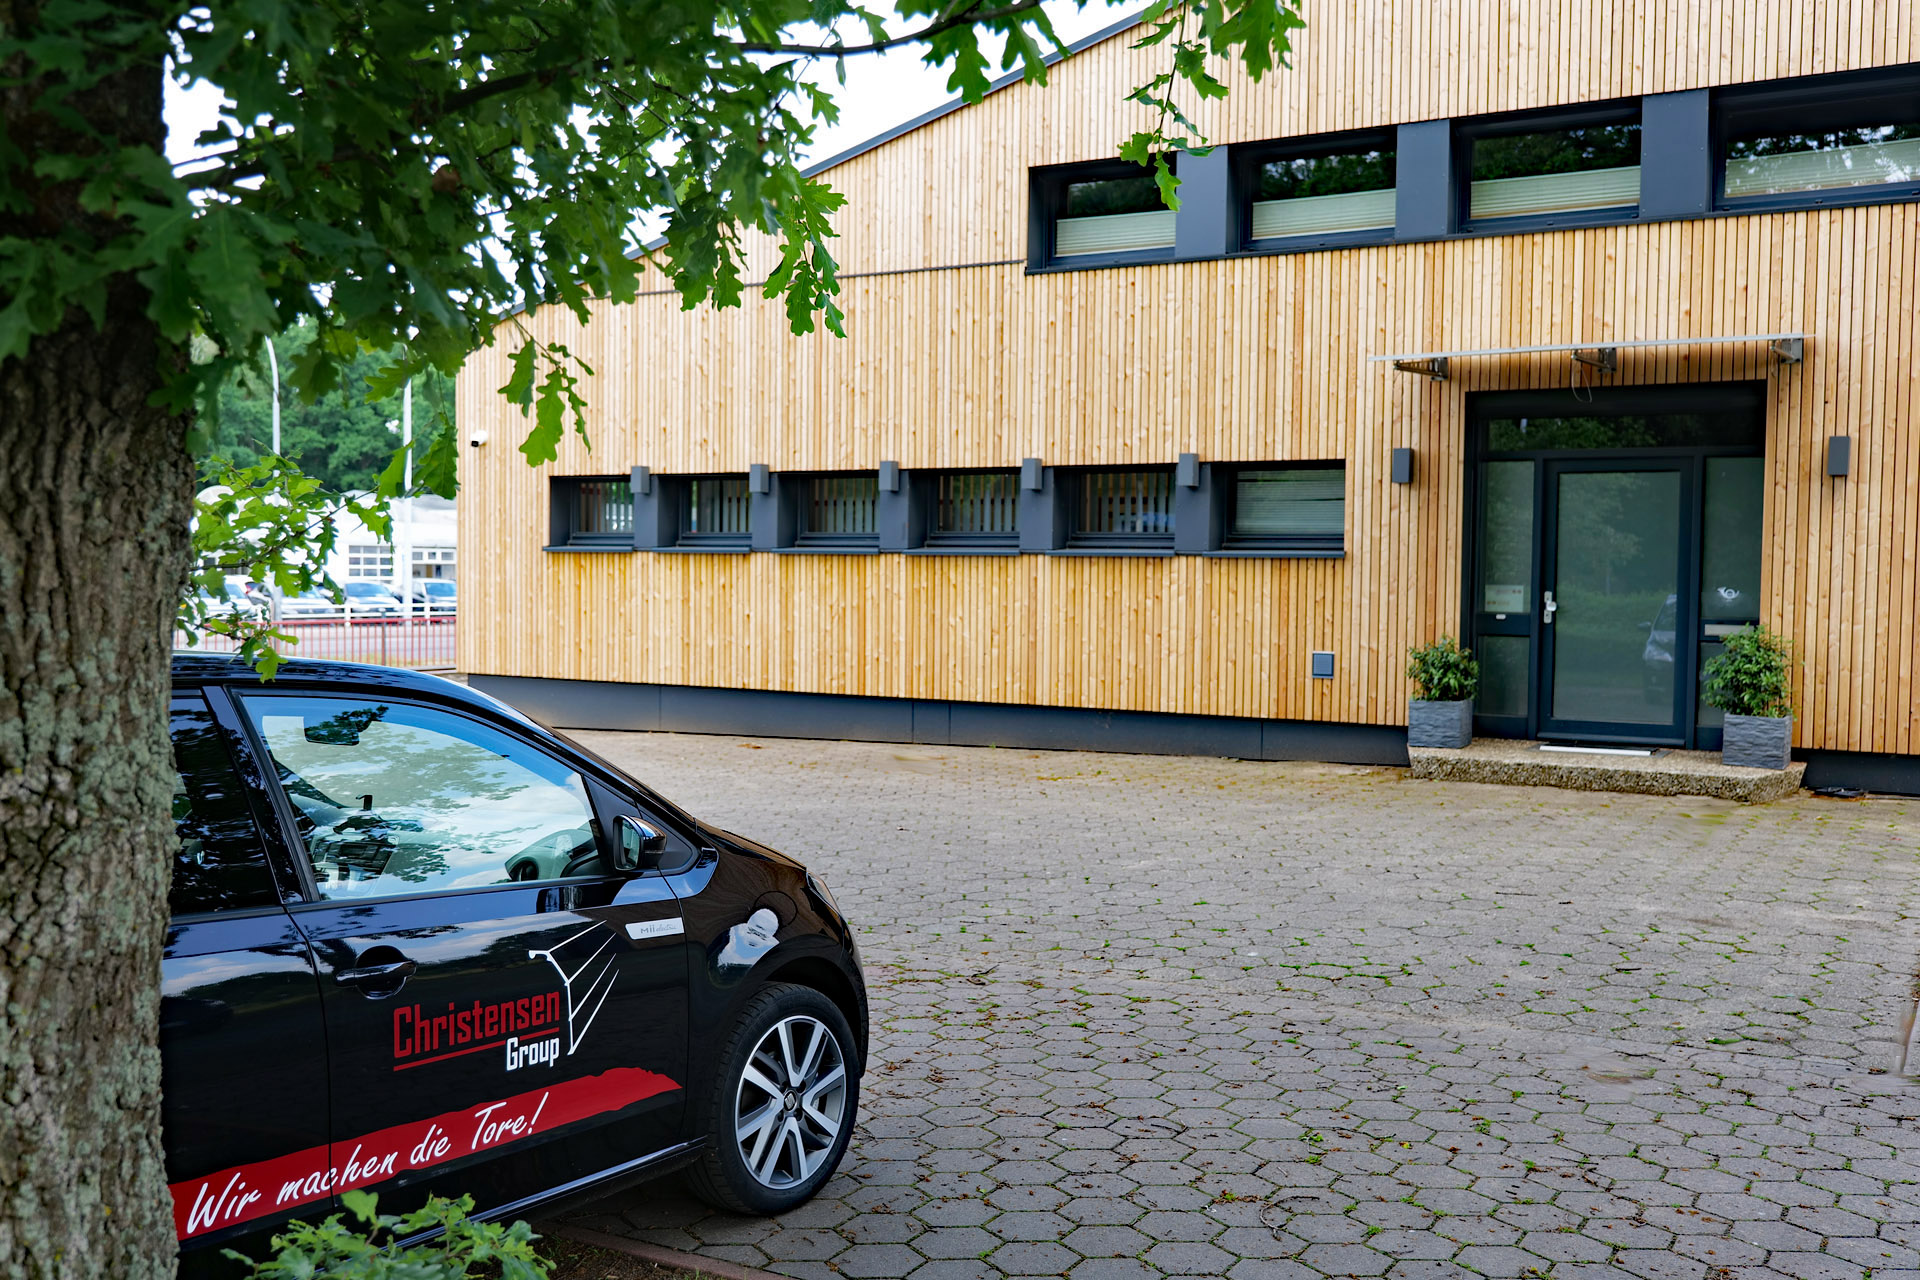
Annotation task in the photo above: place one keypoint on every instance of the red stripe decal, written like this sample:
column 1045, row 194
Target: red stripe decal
column 250, row 1191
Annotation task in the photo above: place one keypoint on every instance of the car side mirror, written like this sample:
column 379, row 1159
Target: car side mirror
column 640, row 846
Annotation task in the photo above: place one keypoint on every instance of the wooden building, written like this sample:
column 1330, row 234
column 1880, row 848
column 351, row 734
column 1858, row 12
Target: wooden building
column 1089, row 472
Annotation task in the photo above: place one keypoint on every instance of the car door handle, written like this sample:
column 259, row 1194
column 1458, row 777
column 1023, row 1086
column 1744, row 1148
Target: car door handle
column 398, row 969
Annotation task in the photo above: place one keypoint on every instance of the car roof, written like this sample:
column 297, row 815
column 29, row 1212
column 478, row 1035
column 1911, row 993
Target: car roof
column 192, row 668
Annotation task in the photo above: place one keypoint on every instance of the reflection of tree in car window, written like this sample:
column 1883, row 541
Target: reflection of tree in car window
column 401, row 797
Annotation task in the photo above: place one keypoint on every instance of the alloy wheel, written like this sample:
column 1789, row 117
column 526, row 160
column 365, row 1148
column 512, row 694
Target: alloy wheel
column 791, row 1102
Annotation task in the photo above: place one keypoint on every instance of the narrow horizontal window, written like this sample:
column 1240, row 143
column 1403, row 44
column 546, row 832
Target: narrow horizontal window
column 595, row 512
column 840, row 511
column 1111, row 215
column 717, row 511
column 1301, row 508
column 1123, row 509
column 1555, row 171
column 1784, row 163
column 1820, row 140
column 974, row 508
column 1332, row 193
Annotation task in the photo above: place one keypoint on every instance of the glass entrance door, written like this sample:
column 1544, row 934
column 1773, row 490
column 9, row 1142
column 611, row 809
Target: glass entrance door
column 1616, row 539
column 1616, row 619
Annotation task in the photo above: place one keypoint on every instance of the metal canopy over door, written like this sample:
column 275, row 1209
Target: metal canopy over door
column 1615, row 543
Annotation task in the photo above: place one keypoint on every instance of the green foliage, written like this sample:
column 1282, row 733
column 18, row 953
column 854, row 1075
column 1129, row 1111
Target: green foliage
column 1753, row 675
column 1522, row 155
column 463, row 1248
column 268, row 522
column 1443, row 671
column 1328, row 175
column 341, row 438
column 404, row 182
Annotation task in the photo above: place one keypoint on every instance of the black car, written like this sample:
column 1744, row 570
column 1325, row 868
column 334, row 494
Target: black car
column 421, row 944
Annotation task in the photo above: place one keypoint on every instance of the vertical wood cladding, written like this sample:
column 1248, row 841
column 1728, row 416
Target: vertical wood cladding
column 1253, row 359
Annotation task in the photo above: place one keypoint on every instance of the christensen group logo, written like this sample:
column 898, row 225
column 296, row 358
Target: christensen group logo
column 531, row 1031
column 422, row 1035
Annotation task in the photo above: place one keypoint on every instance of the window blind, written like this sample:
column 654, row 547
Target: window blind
column 605, row 509
column 842, row 507
column 975, row 505
column 717, row 506
column 1294, row 503
column 1868, row 164
column 1126, row 505
column 1323, row 215
column 1113, row 233
column 1555, row 192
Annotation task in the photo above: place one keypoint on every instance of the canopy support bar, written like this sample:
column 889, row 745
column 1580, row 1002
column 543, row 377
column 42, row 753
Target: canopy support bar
column 1787, row 348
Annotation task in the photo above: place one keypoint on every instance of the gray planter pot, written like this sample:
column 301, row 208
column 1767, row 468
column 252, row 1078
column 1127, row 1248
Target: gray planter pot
column 1439, row 724
column 1758, row 742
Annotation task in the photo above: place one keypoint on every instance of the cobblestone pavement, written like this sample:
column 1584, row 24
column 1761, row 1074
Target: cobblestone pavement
column 1151, row 1016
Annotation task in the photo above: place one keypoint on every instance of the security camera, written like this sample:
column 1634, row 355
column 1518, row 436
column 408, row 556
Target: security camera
column 477, row 437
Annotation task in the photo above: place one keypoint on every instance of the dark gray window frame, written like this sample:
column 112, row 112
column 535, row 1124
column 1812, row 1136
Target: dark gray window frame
column 1815, row 97
column 795, row 489
column 563, row 519
column 1247, row 159
column 1046, row 190
column 924, row 485
column 1587, row 115
column 1076, row 542
column 1296, row 547
column 681, row 499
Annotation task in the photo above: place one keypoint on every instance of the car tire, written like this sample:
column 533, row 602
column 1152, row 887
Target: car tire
column 786, row 1092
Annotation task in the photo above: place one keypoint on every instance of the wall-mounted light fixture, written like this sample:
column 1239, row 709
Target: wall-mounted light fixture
column 1186, row 471
column 889, row 477
column 642, row 480
column 759, row 478
column 1403, row 466
column 1030, row 474
column 1839, row 455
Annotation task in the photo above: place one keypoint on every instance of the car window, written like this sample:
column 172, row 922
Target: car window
column 395, row 798
column 219, row 863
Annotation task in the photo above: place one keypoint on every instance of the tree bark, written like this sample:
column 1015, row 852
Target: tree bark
column 95, row 498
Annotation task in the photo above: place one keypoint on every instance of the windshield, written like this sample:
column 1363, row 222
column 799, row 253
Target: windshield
column 368, row 590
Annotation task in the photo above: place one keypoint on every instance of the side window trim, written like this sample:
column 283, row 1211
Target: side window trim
column 281, row 870
column 297, row 847
column 285, row 848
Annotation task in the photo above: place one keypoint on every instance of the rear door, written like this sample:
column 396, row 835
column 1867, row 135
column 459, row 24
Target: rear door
column 505, row 1016
column 242, row 1041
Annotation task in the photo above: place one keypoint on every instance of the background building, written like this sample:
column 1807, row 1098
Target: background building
column 1589, row 339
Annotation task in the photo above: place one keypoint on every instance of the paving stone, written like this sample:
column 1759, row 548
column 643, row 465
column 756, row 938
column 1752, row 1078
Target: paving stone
column 1244, row 1017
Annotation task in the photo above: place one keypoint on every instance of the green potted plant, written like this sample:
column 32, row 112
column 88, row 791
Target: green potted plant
column 1752, row 681
column 1441, row 713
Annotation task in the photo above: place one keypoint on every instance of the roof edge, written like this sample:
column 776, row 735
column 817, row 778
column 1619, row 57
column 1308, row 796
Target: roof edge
column 954, row 104
column 948, row 107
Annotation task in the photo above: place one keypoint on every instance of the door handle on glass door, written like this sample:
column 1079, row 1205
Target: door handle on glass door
column 1549, row 608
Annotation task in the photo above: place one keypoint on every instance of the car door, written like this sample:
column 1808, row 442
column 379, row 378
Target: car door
column 505, row 1015
column 242, row 1039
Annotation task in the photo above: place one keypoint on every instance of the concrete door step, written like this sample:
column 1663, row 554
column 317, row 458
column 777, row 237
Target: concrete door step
column 1662, row 773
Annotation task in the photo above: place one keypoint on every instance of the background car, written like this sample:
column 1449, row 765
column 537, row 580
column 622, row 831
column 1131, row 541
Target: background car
column 312, row 605
column 367, row 599
column 422, row 945
column 436, row 596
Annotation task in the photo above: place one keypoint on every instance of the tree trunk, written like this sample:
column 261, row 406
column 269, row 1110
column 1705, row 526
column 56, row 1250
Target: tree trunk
column 95, row 494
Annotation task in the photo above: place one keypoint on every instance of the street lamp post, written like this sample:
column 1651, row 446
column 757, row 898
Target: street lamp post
column 273, row 361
